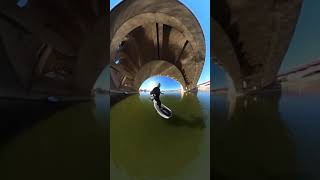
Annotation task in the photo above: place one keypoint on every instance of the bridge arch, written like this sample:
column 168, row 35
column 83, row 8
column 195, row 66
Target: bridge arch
column 251, row 39
column 163, row 31
column 224, row 55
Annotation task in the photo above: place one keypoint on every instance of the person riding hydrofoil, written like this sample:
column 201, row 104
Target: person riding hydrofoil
column 156, row 94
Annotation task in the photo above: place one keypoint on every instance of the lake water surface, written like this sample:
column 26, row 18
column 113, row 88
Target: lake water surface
column 275, row 135
column 45, row 141
column 144, row 146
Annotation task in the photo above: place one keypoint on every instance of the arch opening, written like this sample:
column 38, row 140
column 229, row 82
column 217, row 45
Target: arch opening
column 102, row 84
column 158, row 68
column 222, row 81
column 168, row 84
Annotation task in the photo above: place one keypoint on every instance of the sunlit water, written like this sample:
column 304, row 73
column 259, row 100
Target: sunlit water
column 268, row 136
column 144, row 146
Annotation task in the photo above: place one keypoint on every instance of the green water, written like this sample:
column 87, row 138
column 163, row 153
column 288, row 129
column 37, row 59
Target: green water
column 68, row 144
column 145, row 146
column 41, row 140
column 272, row 135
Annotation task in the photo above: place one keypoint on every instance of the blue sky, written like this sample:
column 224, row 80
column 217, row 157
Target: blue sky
column 219, row 77
column 202, row 13
column 103, row 82
column 304, row 47
column 22, row 3
column 166, row 83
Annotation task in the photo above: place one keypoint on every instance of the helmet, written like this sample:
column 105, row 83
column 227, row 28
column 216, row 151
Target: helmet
column 158, row 85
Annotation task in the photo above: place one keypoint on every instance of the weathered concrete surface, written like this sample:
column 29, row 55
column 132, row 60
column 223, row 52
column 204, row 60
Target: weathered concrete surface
column 142, row 31
column 52, row 47
column 250, row 39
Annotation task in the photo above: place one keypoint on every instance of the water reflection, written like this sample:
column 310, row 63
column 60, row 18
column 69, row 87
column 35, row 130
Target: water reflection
column 18, row 116
column 60, row 143
column 252, row 142
column 146, row 146
column 300, row 112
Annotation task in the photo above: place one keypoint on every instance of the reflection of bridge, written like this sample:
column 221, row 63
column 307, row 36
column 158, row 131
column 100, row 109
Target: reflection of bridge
column 51, row 47
column 154, row 37
column 243, row 129
column 250, row 39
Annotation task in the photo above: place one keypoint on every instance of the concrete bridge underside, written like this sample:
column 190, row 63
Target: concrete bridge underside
column 250, row 39
column 51, row 47
column 154, row 37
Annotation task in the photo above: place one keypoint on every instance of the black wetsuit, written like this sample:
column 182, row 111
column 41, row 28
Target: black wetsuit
column 156, row 92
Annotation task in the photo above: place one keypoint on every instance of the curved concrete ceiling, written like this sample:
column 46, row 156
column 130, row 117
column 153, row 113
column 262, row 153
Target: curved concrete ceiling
column 142, row 31
column 54, row 47
column 260, row 32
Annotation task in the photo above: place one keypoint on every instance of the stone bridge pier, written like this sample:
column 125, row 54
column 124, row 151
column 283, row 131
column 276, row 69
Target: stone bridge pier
column 250, row 39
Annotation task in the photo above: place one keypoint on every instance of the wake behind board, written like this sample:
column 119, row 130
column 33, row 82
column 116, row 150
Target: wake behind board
column 164, row 111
